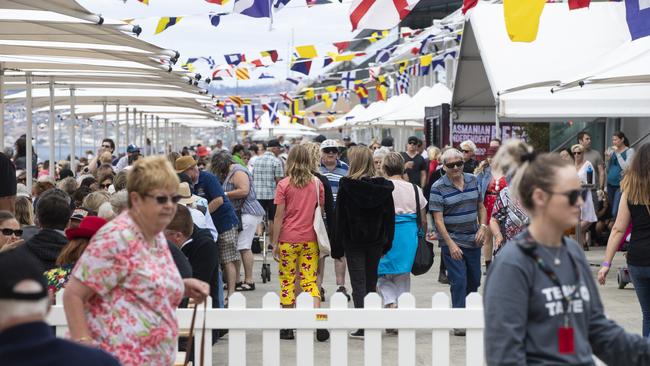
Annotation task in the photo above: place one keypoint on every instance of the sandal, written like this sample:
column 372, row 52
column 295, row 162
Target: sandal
column 244, row 286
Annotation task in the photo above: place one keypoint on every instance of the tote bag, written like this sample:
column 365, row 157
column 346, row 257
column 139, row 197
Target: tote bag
column 319, row 226
column 424, row 253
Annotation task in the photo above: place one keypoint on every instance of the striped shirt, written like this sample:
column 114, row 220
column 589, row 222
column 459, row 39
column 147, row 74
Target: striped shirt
column 334, row 175
column 459, row 208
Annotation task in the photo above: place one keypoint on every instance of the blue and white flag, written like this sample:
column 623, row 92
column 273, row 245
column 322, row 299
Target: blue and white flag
column 234, row 58
column 403, row 82
column 228, row 110
column 253, row 8
column 272, row 108
column 249, row 113
column 638, row 18
column 279, row 4
column 347, row 80
column 383, row 55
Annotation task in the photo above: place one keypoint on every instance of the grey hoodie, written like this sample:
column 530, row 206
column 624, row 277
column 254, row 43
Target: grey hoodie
column 524, row 311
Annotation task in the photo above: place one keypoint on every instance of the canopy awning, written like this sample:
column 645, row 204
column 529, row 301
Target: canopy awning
column 425, row 97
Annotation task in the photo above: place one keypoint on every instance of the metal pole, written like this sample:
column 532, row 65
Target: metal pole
column 146, row 132
column 117, row 126
column 496, row 118
column 126, row 120
column 141, row 132
column 173, row 138
column 105, row 121
column 157, row 149
column 135, row 127
column 28, row 136
column 167, row 137
column 2, row 107
column 73, row 120
column 51, row 130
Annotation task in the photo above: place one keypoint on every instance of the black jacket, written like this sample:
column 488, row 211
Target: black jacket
column 365, row 215
column 180, row 260
column 202, row 252
column 46, row 245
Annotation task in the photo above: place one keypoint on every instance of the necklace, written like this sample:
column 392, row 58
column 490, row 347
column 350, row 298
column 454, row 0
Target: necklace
column 556, row 256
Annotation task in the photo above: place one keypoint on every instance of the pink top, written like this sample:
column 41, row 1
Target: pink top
column 137, row 289
column 300, row 204
column 404, row 197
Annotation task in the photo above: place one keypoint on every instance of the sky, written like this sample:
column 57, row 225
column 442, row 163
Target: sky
column 194, row 36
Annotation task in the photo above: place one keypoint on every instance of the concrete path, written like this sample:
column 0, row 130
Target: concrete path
column 620, row 305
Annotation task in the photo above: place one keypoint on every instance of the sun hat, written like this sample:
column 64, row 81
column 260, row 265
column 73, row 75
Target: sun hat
column 328, row 144
column 87, row 228
column 187, row 197
column 183, row 163
column 202, row 151
column 18, row 266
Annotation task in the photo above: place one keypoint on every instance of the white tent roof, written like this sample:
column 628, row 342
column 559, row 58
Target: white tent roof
column 568, row 41
column 425, row 97
column 375, row 108
column 379, row 109
column 345, row 119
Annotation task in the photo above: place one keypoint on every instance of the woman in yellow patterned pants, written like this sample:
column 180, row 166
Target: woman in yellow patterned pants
column 301, row 258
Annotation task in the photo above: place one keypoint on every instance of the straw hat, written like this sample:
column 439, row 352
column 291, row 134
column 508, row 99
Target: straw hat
column 183, row 163
column 187, row 197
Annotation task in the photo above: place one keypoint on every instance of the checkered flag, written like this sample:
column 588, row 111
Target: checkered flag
column 403, row 82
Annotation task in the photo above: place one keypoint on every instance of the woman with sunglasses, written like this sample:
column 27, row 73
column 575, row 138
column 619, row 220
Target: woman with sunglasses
column 587, row 211
column 10, row 231
column 634, row 209
column 106, row 181
column 124, row 289
column 542, row 306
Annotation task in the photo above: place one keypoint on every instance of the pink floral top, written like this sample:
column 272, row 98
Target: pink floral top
column 138, row 287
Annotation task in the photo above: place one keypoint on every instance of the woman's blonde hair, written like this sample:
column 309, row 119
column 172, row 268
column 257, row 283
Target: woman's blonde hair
column 106, row 158
column 150, row 173
column 24, row 211
column 299, row 166
column 433, row 153
column 94, row 200
column 636, row 182
column 314, row 153
column 361, row 162
column 393, row 164
column 577, row 148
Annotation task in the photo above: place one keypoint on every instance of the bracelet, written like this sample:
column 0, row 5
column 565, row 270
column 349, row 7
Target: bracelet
column 485, row 226
column 605, row 264
column 84, row 339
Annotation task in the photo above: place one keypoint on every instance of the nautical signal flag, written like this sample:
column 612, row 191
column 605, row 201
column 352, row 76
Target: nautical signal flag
column 145, row 2
column 272, row 108
column 273, row 54
column 376, row 36
column 249, row 113
column 468, row 4
column 578, row 4
column 379, row 14
column 383, row 55
column 295, row 108
column 301, row 65
column 306, row 52
column 381, row 87
column 340, row 58
column 253, row 8
column 347, row 79
column 234, row 58
column 166, row 22
column 327, row 60
column 239, row 101
column 341, row 46
column 265, row 76
column 241, row 73
column 522, row 18
column 218, row 2
column 638, row 18
column 402, row 66
column 361, row 91
column 215, row 19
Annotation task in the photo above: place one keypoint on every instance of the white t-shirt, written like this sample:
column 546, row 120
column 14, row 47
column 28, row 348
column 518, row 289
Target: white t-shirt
column 404, row 197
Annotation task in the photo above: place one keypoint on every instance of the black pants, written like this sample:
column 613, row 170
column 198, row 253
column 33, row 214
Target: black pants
column 362, row 267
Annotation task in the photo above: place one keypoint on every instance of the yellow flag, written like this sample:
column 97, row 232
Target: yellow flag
column 522, row 18
column 339, row 58
column 328, row 100
column 309, row 94
column 426, row 60
column 166, row 22
column 330, row 89
column 306, row 51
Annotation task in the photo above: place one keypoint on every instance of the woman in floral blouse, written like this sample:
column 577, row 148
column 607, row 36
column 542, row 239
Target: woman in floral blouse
column 123, row 291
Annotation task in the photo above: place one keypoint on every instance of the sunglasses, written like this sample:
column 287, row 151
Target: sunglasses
column 413, row 142
column 331, row 150
column 457, row 164
column 8, row 232
column 466, row 151
column 105, row 186
column 573, row 195
column 577, row 153
column 164, row 199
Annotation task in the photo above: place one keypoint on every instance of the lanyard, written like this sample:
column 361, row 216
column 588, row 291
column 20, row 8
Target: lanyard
column 529, row 247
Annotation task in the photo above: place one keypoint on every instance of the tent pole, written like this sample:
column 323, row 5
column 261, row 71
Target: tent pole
column 73, row 120
column 117, row 126
column 51, row 130
column 2, row 107
column 157, row 149
column 105, row 120
column 496, row 118
column 127, row 139
column 135, row 127
column 167, row 138
column 146, row 134
column 141, row 132
column 28, row 136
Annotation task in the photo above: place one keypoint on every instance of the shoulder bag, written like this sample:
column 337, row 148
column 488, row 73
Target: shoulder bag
column 319, row 226
column 424, row 253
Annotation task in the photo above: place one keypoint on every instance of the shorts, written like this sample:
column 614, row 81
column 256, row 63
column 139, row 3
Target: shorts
column 269, row 208
column 298, row 259
column 227, row 243
column 249, row 224
column 391, row 286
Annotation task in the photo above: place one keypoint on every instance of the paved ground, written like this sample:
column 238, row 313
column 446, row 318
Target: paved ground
column 620, row 305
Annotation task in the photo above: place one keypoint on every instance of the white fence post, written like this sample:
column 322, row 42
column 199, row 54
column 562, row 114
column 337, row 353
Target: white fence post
column 406, row 337
column 271, row 337
column 338, row 337
column 474, row 344
column 237, row 337
column 198, row 325
column 440, row 337
column 372, row 337
column 60, row 331
column 305, row 337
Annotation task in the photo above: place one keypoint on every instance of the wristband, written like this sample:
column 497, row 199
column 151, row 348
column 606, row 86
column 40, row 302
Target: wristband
column 605, row 264
column 84, row 339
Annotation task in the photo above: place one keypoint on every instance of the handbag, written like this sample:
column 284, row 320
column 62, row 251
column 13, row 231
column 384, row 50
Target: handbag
column 424, row 253
column 320, row 228
column 190, row 339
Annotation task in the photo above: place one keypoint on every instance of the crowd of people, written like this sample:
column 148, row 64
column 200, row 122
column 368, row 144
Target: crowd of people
column 131, row 238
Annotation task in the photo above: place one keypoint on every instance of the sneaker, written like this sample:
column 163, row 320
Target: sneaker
column 459, row 332
column 358, row 334
column 322, row 295
column 286, row 334
column 442, row 278
column 322, row 335
column 342, row 290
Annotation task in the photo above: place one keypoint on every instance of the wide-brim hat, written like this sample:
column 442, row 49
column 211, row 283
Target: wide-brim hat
column 183, row 163
column 187, row 198
column 87, row 228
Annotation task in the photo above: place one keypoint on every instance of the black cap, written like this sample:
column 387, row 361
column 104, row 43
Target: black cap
column 64, row 173
column 319, row 139
column 413, row 139
column 387, row 141
column 273, row 143
column 17, row 266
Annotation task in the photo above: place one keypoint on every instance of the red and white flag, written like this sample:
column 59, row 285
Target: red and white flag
column 379, row 14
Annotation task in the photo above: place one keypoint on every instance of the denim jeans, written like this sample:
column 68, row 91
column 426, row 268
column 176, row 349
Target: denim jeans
column 613, row 197
column 641, row 279
column 464, row 274
column 362, row 267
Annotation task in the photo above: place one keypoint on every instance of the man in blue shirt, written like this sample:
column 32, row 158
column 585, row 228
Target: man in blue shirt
column 334, row 169
column 223, row 214
column 460, row 219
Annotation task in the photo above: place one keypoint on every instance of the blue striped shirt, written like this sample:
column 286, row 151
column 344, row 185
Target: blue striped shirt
column 339, row 171
column 459, row 208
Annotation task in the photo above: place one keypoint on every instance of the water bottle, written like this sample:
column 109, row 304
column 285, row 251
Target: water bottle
column 590, row 175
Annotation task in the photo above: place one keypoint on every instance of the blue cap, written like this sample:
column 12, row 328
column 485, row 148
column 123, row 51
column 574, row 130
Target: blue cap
column 132, row 149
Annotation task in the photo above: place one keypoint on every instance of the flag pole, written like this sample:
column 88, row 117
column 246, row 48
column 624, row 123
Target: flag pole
column 270, row 15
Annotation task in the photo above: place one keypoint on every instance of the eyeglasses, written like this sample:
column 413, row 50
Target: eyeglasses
column 413, row 142
column 457, row 164
column 164, row 199
column 8, row 232
column 573, row 195
column 105, row 186
column 330, row 150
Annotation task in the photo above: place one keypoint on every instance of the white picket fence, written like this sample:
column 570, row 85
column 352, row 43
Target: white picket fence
column 339, row 319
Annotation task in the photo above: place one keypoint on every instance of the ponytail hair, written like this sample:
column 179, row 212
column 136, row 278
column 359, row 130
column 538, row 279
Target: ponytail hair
column 528, row 170
column 622, row 136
